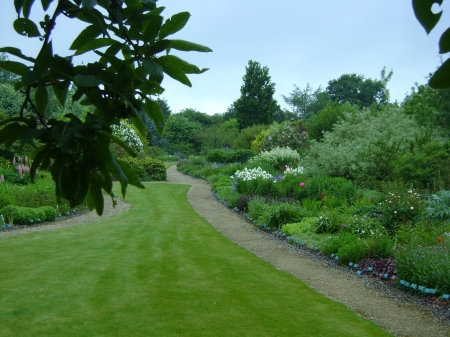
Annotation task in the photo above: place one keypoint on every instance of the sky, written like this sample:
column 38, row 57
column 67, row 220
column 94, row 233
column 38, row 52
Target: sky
column 300, row 41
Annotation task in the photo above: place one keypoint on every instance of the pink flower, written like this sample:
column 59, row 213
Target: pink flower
column 302, row 185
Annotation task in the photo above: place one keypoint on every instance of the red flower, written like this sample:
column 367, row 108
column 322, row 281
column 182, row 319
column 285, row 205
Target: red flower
column 322, row 195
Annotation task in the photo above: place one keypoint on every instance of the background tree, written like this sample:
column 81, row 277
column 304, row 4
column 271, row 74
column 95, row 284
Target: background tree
column 357, row 90
column 119, row 87
column 256, row 104
column 164, row 107
column 182, row 134
column 430, row 107
column 7, row 76
column 307, row 102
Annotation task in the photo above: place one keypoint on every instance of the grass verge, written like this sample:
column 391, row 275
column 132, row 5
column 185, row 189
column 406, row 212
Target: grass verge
column 157, row 270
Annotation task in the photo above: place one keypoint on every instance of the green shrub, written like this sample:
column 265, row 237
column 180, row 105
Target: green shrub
column 226, row 193
column 332, row 220
column 229, row 156
column 426, row 266
column 274, row 214
column 246, row 136
column 6, row 195
column 352, row 248
column 49, row 213
column 279, row 157
column 307, row 225
column 148, row 169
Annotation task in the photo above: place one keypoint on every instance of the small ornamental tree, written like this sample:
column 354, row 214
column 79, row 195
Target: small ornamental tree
column 121, row 84
column 256, row 104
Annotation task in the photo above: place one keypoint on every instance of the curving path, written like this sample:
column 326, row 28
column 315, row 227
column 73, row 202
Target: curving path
column 357, row 292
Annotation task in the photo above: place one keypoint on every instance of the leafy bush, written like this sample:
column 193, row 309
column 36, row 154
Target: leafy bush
column 363, row 146
column 274, row 214
column 226, row 193
column 246, row 136
column 304, row 226
column 332, row 220
column 126, row 133
column 23, row 215
column 148, row 169
column 279, row 157
column 426, row 266
column 400, row 208
column 425, row 167
column 229, row 156
column 292, row 135
column 352, row 248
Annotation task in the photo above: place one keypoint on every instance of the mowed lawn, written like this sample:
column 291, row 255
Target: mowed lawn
column 157, row 270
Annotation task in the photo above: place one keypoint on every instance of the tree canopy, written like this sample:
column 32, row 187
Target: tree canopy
column 357, row 90
column 130, row 38
column 256, row 104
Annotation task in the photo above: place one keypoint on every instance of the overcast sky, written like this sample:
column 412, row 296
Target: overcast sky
column 300, row 41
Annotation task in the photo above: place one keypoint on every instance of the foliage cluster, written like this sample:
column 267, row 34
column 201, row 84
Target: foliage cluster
column 292, row 135
column 148, row 169
column 229, row 156
column 278, row 157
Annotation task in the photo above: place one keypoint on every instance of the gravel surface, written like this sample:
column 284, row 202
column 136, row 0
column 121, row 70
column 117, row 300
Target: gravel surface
column 396, row 311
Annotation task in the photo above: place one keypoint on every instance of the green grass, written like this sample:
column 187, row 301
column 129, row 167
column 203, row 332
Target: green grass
column 168, row 164
column 157, row 270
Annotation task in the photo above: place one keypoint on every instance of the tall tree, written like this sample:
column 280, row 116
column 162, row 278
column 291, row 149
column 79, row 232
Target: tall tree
column 256, row 104
column 357, row 90
column 164, row 107
column 307, row 102
column 7, row 76
column 120, row 86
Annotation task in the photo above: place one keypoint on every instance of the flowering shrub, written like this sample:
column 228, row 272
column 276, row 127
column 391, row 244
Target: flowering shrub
column 278, row 157
column 425, row 266
column 399, row 208
column 252, row 174
column 296, row 171
column 125, row 133
column 292, row 135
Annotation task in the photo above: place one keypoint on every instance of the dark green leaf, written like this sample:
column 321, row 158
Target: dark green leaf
column 61, row 90
column 27, row 4
column 152, row 29
column 94, row 197
column 10, row 133
column 87, row 35
column 45, row 58
column 174, row 24
column 30, row 122
column 31, row 77
column 140, row 126
column 153, row 70
column 171, row 61
column 422, row 10
column 83, row 173
column 130, row 173
column 16, row 52
column 121, row 144
column 14, row 67
column 46, row 4
column 444, row 42
column 188, row 46
column 95, row 44
column 29, row 135
column 41, row 99
column 26, row 27
column 150, row 88
column 89, row 4
column 38, row 156
column 441, row 78
column 153, row 110
column 87, row 80
column 18, row 4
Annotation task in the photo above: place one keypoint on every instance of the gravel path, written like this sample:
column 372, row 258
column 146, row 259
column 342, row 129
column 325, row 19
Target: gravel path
column 397, row 312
